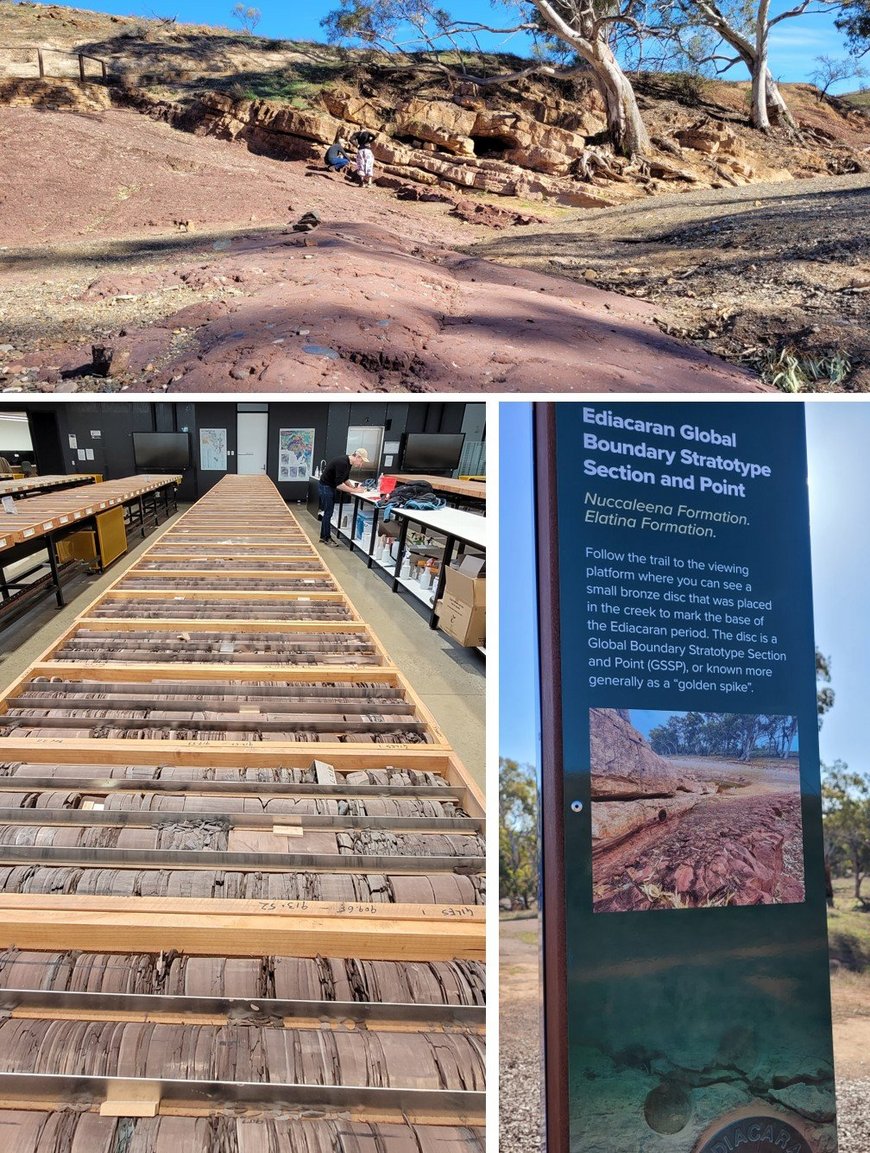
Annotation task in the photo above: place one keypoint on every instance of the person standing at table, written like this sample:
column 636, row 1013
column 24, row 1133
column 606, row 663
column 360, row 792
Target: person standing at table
column 333, row 479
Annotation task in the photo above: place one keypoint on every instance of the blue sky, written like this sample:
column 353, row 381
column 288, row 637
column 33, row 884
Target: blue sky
column 838, row 434
column 794, row 44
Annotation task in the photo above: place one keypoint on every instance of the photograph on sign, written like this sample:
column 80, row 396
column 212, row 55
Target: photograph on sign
column 694, row 810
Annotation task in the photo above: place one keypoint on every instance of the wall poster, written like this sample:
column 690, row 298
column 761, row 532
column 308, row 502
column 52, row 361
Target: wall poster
column 686, row 963
column 295, row 453
column 213, row 449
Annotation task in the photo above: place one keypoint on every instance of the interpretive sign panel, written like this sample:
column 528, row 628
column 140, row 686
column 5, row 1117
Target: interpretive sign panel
column 686, row 965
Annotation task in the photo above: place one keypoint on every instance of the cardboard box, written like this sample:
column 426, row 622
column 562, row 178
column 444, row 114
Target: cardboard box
column 467, row 581
column 466, row 625
column 462, row 609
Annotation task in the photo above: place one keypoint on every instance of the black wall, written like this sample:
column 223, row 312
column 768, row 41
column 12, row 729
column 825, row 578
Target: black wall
column 116, row 420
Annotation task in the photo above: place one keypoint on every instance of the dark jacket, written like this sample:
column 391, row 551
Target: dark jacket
column 335, row 152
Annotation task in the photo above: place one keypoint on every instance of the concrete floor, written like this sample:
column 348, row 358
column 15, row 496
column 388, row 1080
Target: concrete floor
column 449, row 679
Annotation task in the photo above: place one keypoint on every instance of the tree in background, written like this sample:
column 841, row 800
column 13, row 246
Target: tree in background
column 846, row 809
column 855, row 22
column 744, row 28
column 737, row 735
column 249, row 18
column 824, row 692
column 517, row 833
column 424, row 33
column 829, row 70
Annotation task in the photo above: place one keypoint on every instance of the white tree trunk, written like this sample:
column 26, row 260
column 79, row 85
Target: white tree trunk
column 760, row 71
column 772, row 108
column 777, row 109
column 589, row 40
column 625, row 124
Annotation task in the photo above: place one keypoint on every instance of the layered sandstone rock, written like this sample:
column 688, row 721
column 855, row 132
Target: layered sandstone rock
column 632, row 786
column 439, row 121
column 431, row 142
column 613, row 820
column 55, row 93
column 623, row 764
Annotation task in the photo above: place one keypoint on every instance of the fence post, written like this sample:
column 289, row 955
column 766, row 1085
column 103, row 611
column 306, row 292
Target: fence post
column 81, row 68
column 41, row 63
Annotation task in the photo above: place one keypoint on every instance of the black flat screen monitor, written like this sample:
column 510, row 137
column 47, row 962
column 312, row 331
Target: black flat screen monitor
column 161, row 451
column 432, row 451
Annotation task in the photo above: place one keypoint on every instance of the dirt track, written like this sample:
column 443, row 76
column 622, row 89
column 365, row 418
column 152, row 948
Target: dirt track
column 735, row 270
column 173, row 249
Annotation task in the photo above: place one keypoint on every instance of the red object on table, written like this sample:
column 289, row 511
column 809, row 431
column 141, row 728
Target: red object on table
column 388, row 483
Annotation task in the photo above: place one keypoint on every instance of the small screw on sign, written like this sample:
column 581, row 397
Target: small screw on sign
column 576, row 806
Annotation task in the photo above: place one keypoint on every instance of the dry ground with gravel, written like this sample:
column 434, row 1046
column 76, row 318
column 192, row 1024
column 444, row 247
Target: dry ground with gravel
column 742, row 272
column 520, row 1056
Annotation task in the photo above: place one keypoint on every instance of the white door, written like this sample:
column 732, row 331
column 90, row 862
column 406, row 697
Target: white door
column 252, row 438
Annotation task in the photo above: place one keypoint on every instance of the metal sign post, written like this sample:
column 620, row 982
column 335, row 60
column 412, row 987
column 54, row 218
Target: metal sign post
column 687, row 1000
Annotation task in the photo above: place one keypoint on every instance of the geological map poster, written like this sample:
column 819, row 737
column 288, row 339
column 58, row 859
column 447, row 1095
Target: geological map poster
column 689, row 882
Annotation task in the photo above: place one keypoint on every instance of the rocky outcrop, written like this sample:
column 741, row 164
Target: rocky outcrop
column 721, row 146
column 711, row 137
column 345, row 104
column 56, row 94
column 431, row 142
column 439, row 122
column 736, row 851
column 623, row 764
column 632, row 787
column 613, row 820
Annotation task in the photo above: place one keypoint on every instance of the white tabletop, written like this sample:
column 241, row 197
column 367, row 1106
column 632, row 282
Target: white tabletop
column 465, row 526
column 367, row 495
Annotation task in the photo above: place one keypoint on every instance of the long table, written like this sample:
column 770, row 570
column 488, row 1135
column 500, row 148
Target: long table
column 456, row 525
column 32, row 485
column 448, row 485
column 40, row 522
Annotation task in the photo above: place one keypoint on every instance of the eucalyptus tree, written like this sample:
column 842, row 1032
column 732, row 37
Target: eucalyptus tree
column 588, row 30
column 855, row 22
column 741, row 32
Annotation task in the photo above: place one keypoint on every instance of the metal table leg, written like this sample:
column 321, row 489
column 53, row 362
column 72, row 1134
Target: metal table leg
column 353, row 519
column 55, row 575
column 449, row 545
column 374, row 536
column 403, row 536
column 142, row 516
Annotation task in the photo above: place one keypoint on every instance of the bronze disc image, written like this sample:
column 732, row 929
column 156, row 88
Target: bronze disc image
column 756, row 1135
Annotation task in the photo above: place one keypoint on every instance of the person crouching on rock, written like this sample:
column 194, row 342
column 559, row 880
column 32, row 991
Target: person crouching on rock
column 337, row 157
